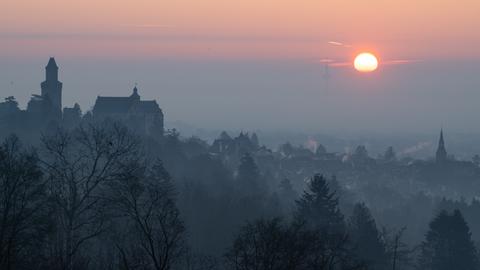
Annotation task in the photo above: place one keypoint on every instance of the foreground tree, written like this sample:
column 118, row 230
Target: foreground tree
column 249, row 179
column 154, row 237
column 22, row 205
column 318, row 209
column 272, row 245
column 399, row 253
column 366, row 239
column 79, row 165
column 448, row 244
column 259, row 246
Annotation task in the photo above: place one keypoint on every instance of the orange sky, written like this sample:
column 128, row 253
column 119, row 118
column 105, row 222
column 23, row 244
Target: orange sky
column 409, row 29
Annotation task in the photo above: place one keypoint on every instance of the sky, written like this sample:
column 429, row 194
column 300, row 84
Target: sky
column 259, row 63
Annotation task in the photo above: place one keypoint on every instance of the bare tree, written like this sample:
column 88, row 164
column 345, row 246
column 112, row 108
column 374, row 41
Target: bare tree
column 198, row 261
column 21, row 197
column 400, row 254
column 80, row 164
column 272, row 245
column 259, row 245
column 154, row 238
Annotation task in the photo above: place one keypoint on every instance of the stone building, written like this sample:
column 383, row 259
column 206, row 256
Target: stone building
column 45, row 111
column 42, row 110
column 143, row 116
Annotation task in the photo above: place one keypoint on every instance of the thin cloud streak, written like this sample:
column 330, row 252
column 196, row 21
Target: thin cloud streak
column 339, row 44
column 400, row 62
column 161, row 26
column 340, row 63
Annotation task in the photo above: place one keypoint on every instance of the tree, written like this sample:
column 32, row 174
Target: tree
column 286, row 149
column 258, row 246
column 249, row 176
column 79, row 165
column 287, row 194
column 368, row 243
column 319, row 207
column 154, row 238
column 476, row 160
column 448, row 244
column 398, row 251
column 360, row 153
column 255, row 141
column 22, row 205
column 321, row 150
column 269, row 244
column 390, row 155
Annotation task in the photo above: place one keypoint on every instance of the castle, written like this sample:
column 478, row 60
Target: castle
column 144, row 116
column 45, row 110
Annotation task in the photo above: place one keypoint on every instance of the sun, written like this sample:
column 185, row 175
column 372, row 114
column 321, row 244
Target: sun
column 365, row 62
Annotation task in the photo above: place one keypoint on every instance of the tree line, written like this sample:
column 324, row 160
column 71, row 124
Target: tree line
column 95, row 197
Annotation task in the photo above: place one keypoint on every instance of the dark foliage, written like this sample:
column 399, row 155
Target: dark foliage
column 448, row 244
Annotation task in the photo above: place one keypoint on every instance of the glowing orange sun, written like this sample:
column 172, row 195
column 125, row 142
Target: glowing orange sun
column 365, row 62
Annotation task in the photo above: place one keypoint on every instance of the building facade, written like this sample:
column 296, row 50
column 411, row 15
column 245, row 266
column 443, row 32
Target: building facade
column 143, row 116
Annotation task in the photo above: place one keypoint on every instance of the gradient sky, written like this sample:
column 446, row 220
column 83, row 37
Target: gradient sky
column 255, row 61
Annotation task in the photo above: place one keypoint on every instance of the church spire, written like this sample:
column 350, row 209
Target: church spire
column 441, row 155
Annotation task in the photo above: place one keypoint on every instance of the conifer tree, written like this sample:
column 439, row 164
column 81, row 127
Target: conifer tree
column 319, row 206
column 368, row 243
column 390, row 155
column 249, row 176
column 318, row 210
column 448, row 244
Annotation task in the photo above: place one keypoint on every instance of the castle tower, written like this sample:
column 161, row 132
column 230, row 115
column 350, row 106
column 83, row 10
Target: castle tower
column 51, row 87
column 441, row 155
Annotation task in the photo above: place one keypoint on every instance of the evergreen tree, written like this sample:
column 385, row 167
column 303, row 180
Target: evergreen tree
column 319, row 206
column 390, row 155
column 249, row 176
column 448, row 244
column 286, row 149
column 321, row 150
column 318, row 210
column 255, row 141
column 360, row 152
column 287, row 191
column 288, row 195
column 368, row 243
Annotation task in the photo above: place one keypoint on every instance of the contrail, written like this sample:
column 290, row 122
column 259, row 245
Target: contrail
column 336, row 43
column 400, row 61
column 151, row 26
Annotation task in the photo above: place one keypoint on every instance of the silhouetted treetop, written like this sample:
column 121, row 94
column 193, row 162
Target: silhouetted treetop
column 319, row 206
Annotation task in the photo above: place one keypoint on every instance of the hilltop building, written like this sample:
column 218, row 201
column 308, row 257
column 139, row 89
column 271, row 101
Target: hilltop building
column 48, row 105
column 52, row 87
column 144, row 116
column 45, row 111
column 42, row 110
column 239, row 145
